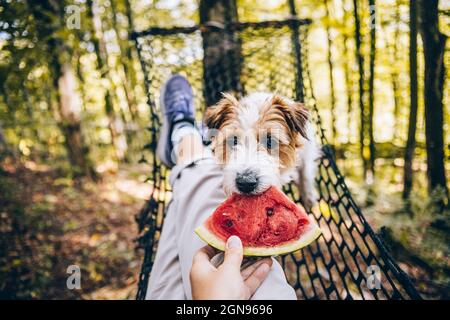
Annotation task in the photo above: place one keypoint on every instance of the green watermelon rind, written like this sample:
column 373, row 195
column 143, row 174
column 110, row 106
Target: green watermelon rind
column 305, row 239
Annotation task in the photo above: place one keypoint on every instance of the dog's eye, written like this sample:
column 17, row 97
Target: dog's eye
column 233, row 141
column 269, row 142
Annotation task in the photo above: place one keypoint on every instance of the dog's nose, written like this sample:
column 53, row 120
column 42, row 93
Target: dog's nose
column 246, row 181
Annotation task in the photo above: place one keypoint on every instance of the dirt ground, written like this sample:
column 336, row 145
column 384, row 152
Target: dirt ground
column 49, row 223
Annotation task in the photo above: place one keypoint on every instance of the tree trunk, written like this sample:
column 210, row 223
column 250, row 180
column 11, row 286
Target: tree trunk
column 29, row 109
column 373, row 28
column 115, row 124
column 360, row 62
column 70, row 119
column 129, row 15
column 347, row 74
column 130, row 49
column 68, row 110
column 411, row 141
column 5, row 148
column 434, row 48
column 395, row 71
column 296, row 48
column 330, row 74
column 222, row 50
column 127, row 85
column 81, row 81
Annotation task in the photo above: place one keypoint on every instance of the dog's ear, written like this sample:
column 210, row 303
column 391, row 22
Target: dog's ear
column 217, row 115
column 295, row 113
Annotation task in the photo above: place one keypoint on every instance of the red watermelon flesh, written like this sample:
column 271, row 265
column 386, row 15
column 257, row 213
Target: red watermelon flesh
column 268, row 224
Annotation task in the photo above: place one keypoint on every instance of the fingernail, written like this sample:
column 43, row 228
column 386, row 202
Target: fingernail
column 234, row 242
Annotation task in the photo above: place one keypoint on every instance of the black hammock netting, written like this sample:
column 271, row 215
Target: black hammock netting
column 347, row 261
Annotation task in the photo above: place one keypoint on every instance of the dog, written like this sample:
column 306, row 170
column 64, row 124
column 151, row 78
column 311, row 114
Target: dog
column 262, row 140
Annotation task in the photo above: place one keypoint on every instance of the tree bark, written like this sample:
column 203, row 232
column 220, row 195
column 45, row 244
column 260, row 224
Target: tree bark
column 5, row 148
column 126, row 72
column 412, row 125
column 130, row 49
column 360, row 62
column 330, row 73
column 81, row 82
column 115, row 124
column 64, row 82
column 373, row 28
column 222, row 50
column 70, row 119
column 29, row 109
column 434, row 48
column 347, row 74
column 296, row 48
column 395, row 73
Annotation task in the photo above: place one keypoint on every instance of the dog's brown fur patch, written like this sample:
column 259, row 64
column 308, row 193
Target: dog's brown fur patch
column 288, row 119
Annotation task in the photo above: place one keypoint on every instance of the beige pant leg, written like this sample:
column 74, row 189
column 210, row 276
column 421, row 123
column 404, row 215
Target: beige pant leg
column 165, row 282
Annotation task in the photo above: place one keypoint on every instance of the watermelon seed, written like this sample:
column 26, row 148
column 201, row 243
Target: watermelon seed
column 269, row 212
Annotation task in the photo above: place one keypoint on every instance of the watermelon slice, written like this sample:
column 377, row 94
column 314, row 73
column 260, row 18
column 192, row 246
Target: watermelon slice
column 268, row 224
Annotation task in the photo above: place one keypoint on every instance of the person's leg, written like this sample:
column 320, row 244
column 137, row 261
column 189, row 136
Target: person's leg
column 179, row 144
column 196, row 182
column 165, row 280
column 190, row 148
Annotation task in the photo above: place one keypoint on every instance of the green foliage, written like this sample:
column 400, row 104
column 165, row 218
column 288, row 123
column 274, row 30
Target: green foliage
column 28, row 108
column 32, row 129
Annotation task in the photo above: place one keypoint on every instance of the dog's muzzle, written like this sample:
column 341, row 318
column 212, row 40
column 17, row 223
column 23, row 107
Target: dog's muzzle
column 246, row 181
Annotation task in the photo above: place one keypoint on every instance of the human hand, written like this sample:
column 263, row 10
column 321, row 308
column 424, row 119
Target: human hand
column 226, row 282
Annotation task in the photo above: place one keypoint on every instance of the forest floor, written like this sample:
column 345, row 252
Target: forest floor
column 49, row 222
column 416, row 232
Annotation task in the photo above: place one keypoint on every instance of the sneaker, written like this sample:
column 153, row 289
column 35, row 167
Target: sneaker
column 177, row 105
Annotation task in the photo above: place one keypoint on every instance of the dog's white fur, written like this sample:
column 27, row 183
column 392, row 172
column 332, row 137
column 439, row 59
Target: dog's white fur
column 248, row 155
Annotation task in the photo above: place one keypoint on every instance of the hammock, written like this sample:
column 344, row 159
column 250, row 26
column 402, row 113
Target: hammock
column 348, row 261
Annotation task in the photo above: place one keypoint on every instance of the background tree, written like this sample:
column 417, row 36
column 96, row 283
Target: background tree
column 434, row 49
column 63, row 89
column 50, row 26
column 115, row 125
column 361, row 79
column 373, row 37
column 220, row 50
column 412, row 126
column 330, row 69
column 347, row 65
column 395, row 69
column 126, row 72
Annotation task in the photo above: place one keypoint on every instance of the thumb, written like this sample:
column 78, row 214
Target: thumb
column 233, row 253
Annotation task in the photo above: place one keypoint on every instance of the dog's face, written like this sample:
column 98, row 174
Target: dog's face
column 255, row 139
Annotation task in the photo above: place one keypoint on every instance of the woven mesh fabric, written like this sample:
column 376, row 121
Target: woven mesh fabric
column 348, row 258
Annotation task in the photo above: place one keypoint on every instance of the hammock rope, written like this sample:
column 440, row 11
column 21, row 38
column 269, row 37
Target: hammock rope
column 348, row 261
